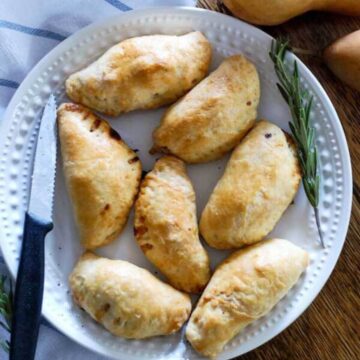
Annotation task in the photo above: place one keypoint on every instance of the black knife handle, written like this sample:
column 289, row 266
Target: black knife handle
column 29, row 290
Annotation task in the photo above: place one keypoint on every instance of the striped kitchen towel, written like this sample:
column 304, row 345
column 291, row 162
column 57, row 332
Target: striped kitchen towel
column 28, row 30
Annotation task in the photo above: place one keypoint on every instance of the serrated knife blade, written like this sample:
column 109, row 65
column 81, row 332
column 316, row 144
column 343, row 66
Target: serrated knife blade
column 43, row 178
column 38, row 222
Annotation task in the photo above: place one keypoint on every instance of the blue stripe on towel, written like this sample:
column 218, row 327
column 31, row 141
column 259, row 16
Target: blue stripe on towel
column 31, row 31
column 118, row 4
column 9, row 83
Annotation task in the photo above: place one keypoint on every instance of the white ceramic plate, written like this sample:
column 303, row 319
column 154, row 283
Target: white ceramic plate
column 228, row 36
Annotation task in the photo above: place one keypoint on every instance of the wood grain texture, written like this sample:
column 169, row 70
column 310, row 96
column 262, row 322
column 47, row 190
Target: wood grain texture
column 329, row 328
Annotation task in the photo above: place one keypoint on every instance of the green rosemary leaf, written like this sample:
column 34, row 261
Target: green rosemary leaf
column 308, row 111
column 284, row 93
column 300, row 104
column 5, row 345
column 4, row 326
column 6, row 309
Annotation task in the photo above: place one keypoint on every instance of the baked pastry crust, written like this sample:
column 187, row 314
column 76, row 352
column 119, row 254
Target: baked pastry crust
column 142, row 73
column 102, row 174
column 214, row 116
column 260, row 181
column 126, row 299
column 166, row 226
column 245, row 287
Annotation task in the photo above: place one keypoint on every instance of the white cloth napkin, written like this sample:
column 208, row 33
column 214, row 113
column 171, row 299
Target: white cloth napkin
column 28, row 30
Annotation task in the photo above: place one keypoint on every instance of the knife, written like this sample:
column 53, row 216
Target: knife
column 38, row 222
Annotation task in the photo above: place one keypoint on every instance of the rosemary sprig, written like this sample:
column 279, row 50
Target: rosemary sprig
column 6, row 309
column 300, row 104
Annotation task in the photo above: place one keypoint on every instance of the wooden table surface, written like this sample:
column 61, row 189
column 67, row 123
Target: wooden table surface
column 330, row 327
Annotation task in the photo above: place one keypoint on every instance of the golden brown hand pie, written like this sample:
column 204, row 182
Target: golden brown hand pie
column 126, row 299
column 245, row 287
column 214, row 116
column 259, row 182
column 166, row 227
column 102, row 174
column 142, row 73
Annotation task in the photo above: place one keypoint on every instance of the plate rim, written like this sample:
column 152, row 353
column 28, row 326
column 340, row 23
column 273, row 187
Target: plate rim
column 344, row 150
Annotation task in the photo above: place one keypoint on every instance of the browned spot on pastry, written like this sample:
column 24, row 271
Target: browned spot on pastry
column 268, row 135
column 174, row 326
column 289, row 139
column 291, row 143
column 248, row 103
column 73, row 107
column 161, row 149
column 117, row 321
column 297, row 172
column 77, row 298
column 136, row 195
column 106, row 208
column 106, row 307
column 145, row 247
column 153, row 150
column 113, row 134
column 133, row 160
column 140, row 230
column 206, row 299
column 86, row 114
column 198, row 288
column 95, row 125
column 142, row 219
column 101, row 311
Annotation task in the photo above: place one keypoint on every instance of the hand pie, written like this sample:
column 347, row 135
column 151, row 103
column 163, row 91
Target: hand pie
column 142, row 73
column 214, row 116
column 259, row 183
column 245, row 287
column 102, row 174
column 126, row 299
column 166, row 226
